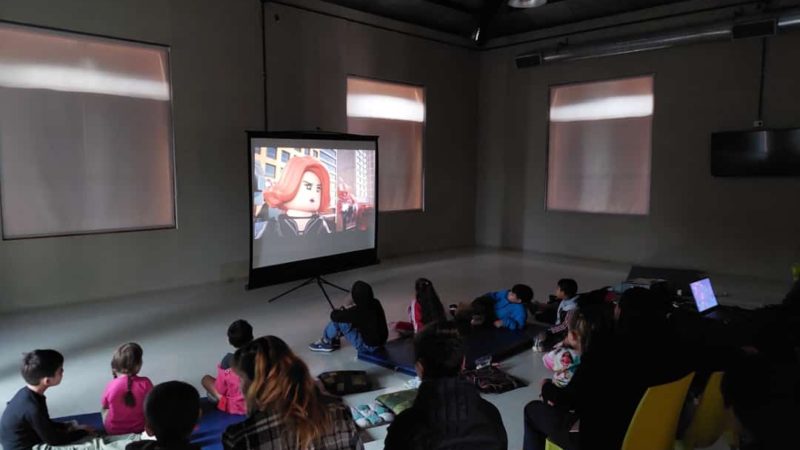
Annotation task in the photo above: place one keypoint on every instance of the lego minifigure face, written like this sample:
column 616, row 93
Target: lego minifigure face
column 308, row 194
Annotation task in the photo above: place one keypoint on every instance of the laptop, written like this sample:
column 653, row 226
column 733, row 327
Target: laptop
column 708, row 306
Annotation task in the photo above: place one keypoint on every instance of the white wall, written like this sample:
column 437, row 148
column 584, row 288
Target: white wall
column 309, row 56
column 741, row 226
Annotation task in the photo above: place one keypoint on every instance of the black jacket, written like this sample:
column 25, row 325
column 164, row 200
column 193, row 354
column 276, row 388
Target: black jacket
column 26, row 423
column 366, row 316
column 448, row 414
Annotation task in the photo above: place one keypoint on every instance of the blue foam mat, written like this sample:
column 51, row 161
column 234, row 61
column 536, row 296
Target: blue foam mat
column 207, row 434
column 500, row 343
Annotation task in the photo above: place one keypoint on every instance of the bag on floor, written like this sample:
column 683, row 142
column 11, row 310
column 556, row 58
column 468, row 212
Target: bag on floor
column 492, row 380
column 398, row 401
column 345, row 382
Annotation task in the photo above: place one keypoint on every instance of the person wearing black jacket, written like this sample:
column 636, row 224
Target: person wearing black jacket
column 26, row 421
column 363, row 324
column 614, row 373
column 448, row 413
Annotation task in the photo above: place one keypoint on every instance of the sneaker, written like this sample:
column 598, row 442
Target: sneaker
column 321, row 346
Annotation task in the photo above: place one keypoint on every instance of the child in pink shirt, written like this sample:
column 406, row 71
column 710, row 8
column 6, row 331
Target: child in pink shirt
column 123, row 399
column 225, row 389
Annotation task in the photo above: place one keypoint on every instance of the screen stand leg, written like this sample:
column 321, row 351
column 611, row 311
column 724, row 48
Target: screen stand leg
column 321, row 282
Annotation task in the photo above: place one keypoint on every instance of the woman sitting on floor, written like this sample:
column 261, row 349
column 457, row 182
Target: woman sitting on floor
column 285, row 408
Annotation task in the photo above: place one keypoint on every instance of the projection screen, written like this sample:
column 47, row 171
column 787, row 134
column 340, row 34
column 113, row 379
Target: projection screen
column 312, row 203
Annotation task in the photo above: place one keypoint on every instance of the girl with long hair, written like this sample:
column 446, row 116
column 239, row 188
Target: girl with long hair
column 286, row 409
column 123, row 398
column 426, row 307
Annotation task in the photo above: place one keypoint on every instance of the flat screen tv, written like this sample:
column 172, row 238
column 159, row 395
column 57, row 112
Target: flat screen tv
column 761, row 152
column 312, row 204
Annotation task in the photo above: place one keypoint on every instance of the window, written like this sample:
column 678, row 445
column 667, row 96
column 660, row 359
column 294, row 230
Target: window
column 85, row 134
column 272, row 152
column 269, row 171
column 600, row 146
column 395, row 113
column 285, row 156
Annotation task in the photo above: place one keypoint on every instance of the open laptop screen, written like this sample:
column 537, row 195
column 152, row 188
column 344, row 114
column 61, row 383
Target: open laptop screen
column 703, row 294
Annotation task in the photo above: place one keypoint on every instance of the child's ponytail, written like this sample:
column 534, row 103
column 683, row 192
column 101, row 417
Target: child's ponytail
column 129, row 400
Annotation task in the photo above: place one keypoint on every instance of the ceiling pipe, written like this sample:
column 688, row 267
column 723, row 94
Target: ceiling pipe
column 637, row 44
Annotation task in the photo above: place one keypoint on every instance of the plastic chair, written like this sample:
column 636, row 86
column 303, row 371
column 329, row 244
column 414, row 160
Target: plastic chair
column 710, row 419
column 550, row 446
column 655, row 421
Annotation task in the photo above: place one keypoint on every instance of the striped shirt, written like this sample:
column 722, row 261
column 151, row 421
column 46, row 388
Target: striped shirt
column 267, row 430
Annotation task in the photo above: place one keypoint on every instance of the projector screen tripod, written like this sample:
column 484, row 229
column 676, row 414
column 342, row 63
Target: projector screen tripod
column 321, row 282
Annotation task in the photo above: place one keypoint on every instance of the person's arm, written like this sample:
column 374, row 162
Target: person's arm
column 416, row 318
column 564, row 398
column 516, row 320
column 398, row 433
column 53, row 433
column 345, row 315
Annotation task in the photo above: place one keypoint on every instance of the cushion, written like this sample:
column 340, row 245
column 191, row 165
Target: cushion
column 398, row 401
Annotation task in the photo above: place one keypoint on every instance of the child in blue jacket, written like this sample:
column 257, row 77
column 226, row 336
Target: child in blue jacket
column 503, row 309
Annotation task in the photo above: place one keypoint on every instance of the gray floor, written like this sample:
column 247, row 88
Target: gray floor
column 182, row 331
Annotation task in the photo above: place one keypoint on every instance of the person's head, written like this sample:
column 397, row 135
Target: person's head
column 127, row 360
column 641, row 310
column 439, row 351
column 361, row 293
column 432, row 308
column 520, row 293
column 304, row 186
column 239, row 333
column 273, row 378
column 591, row 322
column 566, row 288
column 42, row 368
column 171, row 411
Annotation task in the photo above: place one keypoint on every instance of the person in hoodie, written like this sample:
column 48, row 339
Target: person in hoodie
column 363, row 323
column 448, row 412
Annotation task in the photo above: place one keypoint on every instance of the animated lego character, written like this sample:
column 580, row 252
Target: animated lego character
column 302, row 193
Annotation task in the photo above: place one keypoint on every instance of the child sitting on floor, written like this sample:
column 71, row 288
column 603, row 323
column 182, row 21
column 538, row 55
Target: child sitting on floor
column 363, row 323
column 172, row 410
column 225, row 388
column 26, row 422
column 424, row 309
column 123, row 398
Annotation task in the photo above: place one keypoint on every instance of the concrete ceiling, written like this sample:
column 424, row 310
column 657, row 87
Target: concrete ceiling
column 495, row 17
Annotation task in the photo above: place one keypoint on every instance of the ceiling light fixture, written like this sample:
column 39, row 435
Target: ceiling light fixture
column 526, row 3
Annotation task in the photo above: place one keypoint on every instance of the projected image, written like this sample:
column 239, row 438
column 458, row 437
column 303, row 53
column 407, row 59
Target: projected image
column 310, row 202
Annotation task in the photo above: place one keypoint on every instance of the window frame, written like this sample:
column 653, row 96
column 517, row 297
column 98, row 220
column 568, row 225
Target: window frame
column 171, row 138
column 548, row 106
column 423, row 151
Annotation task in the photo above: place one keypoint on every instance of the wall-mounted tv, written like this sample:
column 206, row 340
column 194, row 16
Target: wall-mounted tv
column 761, row 152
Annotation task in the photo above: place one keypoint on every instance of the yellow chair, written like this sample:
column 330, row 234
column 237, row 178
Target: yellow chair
column 655, row 421
column 550, row 446
column 710, row 420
